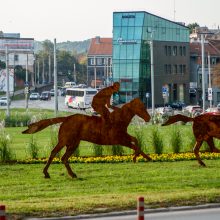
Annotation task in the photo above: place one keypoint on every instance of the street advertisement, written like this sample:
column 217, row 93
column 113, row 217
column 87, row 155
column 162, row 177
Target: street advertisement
column 3, row 80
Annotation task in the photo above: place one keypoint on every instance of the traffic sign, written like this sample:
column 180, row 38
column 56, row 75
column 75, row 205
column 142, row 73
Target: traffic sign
column 210, row 94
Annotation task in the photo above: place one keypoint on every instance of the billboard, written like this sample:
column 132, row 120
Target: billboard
column 3, row 80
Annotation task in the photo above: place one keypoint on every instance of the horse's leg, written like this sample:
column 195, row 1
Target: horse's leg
column 138, row 151
column 56, row 149
column 69, row 151
column 196, row 151
column 212, row 145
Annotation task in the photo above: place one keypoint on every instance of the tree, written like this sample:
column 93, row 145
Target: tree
column 192, row 27
column 2, row 65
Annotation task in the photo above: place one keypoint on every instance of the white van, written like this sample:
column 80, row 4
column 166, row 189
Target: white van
column 69, row 84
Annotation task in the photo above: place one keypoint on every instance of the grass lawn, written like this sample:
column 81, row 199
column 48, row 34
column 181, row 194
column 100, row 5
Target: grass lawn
column 106, row 187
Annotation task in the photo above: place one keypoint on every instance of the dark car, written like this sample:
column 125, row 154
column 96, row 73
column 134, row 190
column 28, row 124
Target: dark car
column 45, row 95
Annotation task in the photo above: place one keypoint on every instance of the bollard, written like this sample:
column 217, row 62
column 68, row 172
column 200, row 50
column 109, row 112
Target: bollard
column 2, row 212
column 140, row 208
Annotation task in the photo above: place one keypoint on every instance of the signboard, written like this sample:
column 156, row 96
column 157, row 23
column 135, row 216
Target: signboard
column 3, row 80
column 165, row 92
column 210, row 94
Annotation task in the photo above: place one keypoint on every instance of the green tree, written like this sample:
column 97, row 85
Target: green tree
column 2, row 65
column 192, row 26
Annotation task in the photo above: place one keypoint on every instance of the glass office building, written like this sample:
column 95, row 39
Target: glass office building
column 132, row 33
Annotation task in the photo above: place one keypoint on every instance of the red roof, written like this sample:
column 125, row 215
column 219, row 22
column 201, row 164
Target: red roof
column 100, row 46
column 195, row 48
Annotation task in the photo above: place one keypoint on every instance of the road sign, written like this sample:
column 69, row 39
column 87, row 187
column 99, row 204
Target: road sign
column 210, row 94
column 147, row 94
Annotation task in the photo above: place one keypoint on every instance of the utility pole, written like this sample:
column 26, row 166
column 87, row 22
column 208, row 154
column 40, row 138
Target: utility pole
column 203, row 73
column 55, row 80
column 152, row 73
column 49, row 61
column 210, row 86
column 7, row 82
column 26, row 84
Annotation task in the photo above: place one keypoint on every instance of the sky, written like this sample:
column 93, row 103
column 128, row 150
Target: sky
column 78, row 20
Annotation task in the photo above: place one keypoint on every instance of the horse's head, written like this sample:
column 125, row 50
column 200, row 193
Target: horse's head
column 139, row 109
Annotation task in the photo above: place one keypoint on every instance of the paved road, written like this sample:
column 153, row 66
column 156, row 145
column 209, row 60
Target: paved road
column 42, row 104
column 179, row 214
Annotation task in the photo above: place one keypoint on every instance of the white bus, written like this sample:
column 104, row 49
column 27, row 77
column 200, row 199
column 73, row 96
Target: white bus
column 80, row 98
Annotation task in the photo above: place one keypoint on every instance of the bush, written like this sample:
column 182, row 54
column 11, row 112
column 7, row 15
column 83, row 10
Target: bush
column 97, row 150
column 176, row 140
column 117, row 150
column 157, row 141
column 33, row 148
column 5, row 151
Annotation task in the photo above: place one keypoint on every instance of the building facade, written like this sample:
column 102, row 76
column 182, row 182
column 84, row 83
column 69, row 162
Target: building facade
column 212, row 79
column 99, row 62
column 20, row 51
column 132, row 34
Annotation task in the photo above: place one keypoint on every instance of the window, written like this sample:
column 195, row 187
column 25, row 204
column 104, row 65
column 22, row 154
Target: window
column 169, row 50
column 92, row 61
column 181, row 50
column 175, row 70
column 15, row 57
column 165, row 68
column 174, row 50
column 218, row 96
column 180, row 69
column 184, row 51
column 99, row 61
column 184, row 69
column 165, row 49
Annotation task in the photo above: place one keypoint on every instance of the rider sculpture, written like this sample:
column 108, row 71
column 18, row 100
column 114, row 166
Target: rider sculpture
column 102, row 102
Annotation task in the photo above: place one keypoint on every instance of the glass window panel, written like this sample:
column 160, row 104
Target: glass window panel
column 130, row 51
column 123, row 52
column 130, row 33
column 124, row 32
column 136, row 51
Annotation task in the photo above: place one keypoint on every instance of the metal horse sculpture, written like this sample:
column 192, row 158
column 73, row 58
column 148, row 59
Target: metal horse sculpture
column 79, row 127
column 205, row 128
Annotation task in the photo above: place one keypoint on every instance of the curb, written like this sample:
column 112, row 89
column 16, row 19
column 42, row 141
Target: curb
column 132, row 212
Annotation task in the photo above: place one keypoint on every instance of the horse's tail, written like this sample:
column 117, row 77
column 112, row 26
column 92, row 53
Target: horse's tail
column 176, row 118
column 40, row 125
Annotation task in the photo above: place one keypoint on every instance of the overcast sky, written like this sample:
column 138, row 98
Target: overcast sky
column 77, row 20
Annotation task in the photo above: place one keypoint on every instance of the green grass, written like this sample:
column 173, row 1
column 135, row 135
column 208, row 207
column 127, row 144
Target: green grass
column 106, row 187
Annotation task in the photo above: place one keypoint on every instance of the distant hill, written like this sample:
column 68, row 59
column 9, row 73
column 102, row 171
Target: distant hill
column 77, row 46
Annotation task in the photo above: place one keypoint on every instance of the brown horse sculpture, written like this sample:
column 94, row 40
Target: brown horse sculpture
column 205, row 128
column 79, row 127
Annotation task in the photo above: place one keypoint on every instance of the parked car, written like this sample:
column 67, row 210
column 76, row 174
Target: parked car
column 193, row 109
column 177, row 105
column 52, row 92
column 167, row 110
column 34, row 96
column 214, row 110
column 3, row 101
column 45, row 95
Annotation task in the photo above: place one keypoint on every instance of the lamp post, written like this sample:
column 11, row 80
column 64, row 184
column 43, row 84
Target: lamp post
column 203, row 73
column 26, row 84
column 7, row 82
column 152, row 71
column 55, row 80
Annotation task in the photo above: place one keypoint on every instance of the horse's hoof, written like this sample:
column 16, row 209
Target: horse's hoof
column 46, row 175
column 74, row 175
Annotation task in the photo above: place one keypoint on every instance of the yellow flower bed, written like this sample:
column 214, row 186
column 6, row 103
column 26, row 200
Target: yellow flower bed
column 129, row 158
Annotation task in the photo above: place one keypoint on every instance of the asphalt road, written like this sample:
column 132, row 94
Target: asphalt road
column 191, row 214
column 42, row 104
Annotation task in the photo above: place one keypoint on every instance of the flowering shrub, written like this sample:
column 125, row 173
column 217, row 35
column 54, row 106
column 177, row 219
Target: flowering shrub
column 129, row 158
